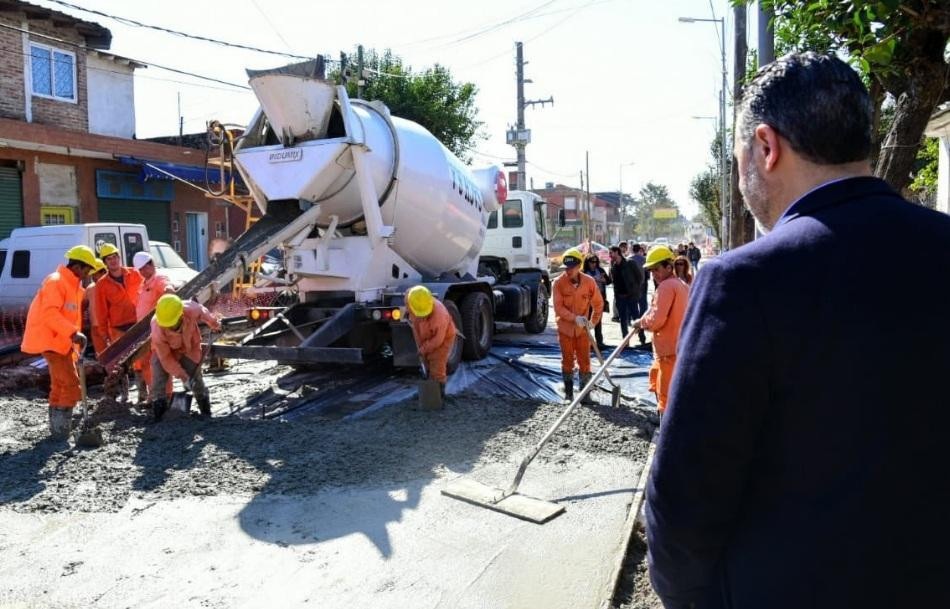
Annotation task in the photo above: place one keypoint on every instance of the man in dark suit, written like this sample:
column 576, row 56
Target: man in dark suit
column 803, row 461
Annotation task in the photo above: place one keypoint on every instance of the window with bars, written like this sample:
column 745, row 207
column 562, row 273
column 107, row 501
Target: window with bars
column 53, row 72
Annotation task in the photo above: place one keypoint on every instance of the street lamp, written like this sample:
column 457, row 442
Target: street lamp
column 726, row 204
column 620, row 200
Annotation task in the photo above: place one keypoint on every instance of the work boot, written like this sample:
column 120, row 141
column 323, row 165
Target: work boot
column 204, row 406
column 60, row 422
column 159, row 408
column 587, row 400
column 568, row 378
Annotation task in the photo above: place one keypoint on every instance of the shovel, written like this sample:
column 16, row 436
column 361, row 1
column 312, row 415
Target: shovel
column 614, row 387
column 510, row 501
column 430, row 393
column 181, row 400
column 85, row 434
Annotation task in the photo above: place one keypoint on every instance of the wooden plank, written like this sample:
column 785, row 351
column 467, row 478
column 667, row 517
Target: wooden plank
column 627, row 535
column 316, row 355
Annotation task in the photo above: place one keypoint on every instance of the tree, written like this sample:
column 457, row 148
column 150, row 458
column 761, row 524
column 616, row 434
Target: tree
column 899, row 47
column 430, row 97
column 705, row 189
column 651, row 198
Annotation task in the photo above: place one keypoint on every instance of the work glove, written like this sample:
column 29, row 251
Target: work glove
column 581, row 321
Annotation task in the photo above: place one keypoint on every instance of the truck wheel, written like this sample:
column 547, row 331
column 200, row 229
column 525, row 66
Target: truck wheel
column 455, row 355
column 478, row 325
column 537, row 320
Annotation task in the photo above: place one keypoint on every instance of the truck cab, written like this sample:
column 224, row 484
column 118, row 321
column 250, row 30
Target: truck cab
column 515, row 237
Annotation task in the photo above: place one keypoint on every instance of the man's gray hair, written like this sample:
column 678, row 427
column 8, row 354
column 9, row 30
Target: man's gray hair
column 817, row 102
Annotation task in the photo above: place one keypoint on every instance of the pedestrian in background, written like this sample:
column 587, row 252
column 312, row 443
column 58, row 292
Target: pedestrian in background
column 54, row 327
column 575, row 294
column 664, row 319
column 682, row 269
column 639, row 259
column 694, row 255
column 780, row 480
column 627, row 279
column 593, row 270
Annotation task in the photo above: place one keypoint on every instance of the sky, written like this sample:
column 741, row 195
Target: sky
column 626, row 76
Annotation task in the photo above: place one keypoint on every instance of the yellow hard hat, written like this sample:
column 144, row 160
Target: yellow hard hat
column 420, row 301
column 572, row 257
column 99, row 266
column 82, row 253
column 107, row 249
column 656, row 255
column 169, row 310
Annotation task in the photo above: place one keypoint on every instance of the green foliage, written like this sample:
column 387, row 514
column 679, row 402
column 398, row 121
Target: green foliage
column 430, row 97
column 705, row 189
column 924, row 183
column 867, row 31
column 652, row 197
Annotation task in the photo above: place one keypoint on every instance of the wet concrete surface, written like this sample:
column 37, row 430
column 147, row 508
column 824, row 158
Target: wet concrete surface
column 230, row 473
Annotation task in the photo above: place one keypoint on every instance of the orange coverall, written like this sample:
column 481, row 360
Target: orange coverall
column 435, row 336
column 170, row 346
column 569, row 302
column 664, row 319
column 55, row 315
column 152, row 289
column 97, row 343
column 115, row 304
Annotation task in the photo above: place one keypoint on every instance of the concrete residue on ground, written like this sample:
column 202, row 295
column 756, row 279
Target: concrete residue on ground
column 197, row 500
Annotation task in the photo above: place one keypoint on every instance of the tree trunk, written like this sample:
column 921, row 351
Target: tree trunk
column 925, row 82
column 877, row 93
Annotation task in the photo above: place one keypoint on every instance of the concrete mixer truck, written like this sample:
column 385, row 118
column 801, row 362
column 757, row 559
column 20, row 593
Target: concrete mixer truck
column 366, row 205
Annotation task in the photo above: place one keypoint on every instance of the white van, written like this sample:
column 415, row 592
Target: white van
column 29, row 254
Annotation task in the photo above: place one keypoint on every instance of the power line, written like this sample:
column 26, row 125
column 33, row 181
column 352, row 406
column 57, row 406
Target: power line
column 134, row 23
column 148, row 63
column 271, row 24
column 497, row 26
column 135, row 74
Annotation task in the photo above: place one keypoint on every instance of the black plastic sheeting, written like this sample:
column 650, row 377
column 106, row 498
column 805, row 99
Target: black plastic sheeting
column 515, row 368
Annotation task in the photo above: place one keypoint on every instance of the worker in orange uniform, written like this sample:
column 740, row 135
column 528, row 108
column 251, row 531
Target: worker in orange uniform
column 176, row 350
column 154, row 286
column 53, row 325
column 664, row 319
column 89, row 302
column 116, row 296
column 434, row 331
column 575, row 295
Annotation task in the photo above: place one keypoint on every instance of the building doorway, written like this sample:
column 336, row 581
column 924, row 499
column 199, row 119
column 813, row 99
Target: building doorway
column 196, row 231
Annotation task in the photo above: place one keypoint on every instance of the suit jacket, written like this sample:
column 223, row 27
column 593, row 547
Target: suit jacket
column 804, row 459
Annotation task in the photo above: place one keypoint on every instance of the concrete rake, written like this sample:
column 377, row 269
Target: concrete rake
column 510, row 501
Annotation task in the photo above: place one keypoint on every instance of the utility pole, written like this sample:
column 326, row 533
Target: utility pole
column 582, row 210
column 739, row 232
column 181, row 121
column 590, row 231
column 359, row 69
column 520, row 137
column 766, row 38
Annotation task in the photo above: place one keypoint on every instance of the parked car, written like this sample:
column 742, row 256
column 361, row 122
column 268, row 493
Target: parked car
column 29, row 254
column 170, row 264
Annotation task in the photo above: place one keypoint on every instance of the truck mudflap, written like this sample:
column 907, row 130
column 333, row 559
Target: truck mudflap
column 282, row 221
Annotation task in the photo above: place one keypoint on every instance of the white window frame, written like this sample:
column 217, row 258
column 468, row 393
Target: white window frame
column 75, row 98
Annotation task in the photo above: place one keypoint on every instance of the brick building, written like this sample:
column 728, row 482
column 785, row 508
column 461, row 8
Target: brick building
column 67, row 147
column 605, row 218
